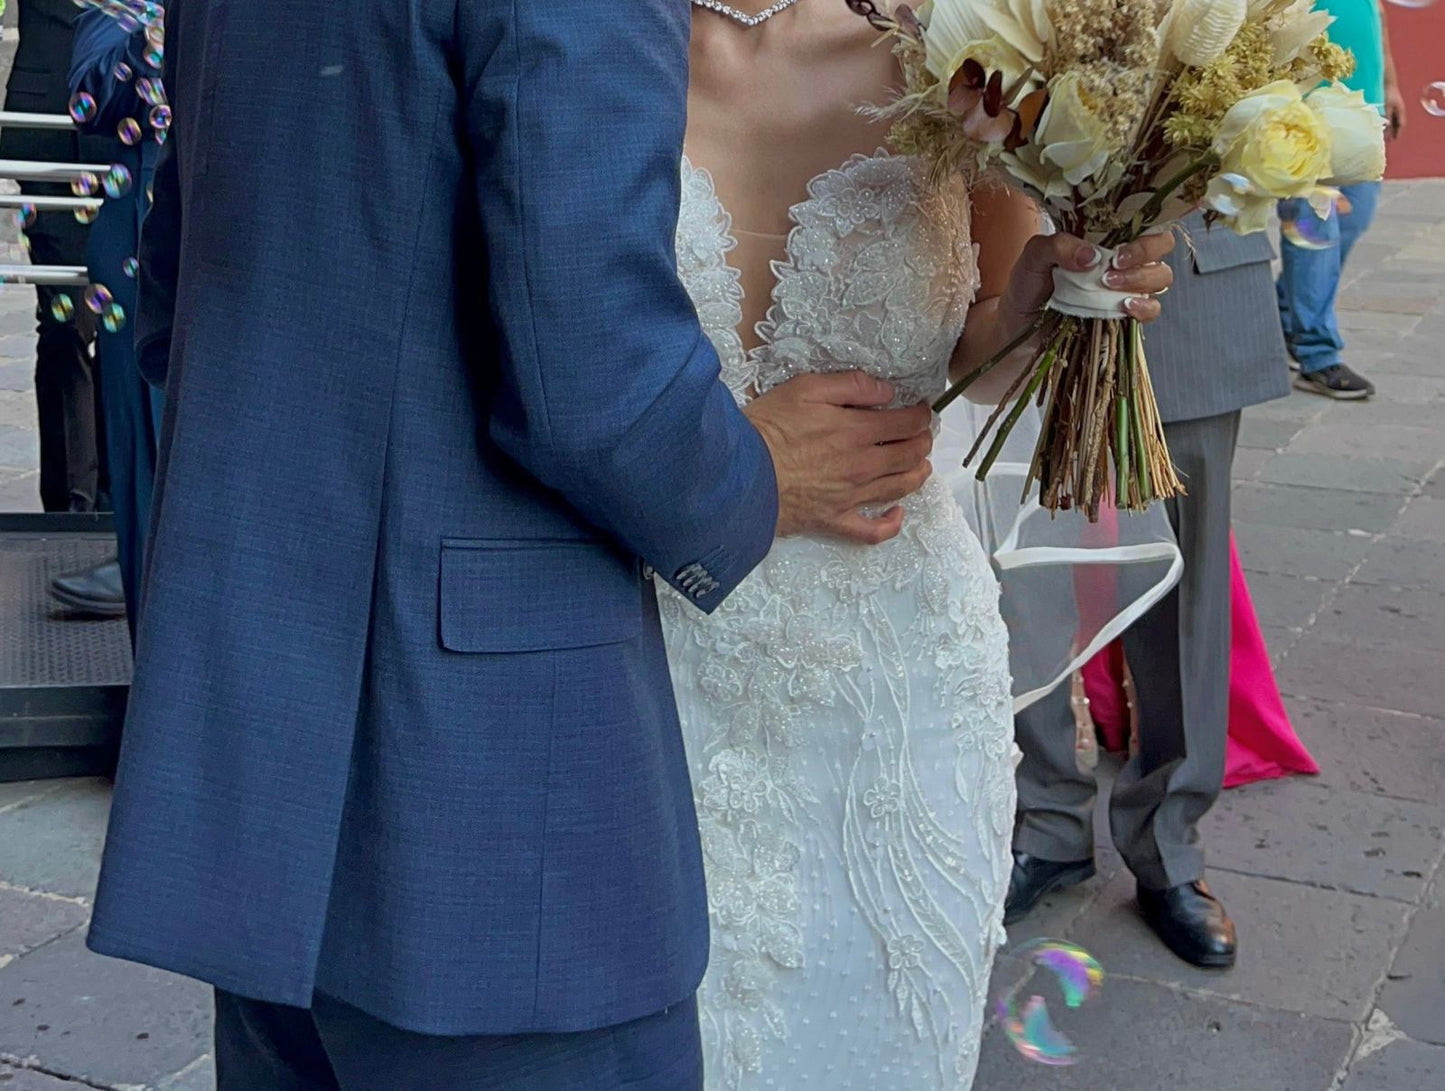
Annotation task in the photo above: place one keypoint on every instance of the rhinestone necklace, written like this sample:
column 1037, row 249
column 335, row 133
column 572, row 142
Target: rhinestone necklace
column 743, row 17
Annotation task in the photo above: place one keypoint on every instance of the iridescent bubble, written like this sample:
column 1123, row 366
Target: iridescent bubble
column 86, row 215
column 84, row 185
column 24, row 216
column 113, row 318
column 122, row 72
column 1308, row 230
column 97, row 298
column 128, row 23
column 1026, row 1022
column 150, row 193
column 161, row 135
column 62, row 308
column 117, row 181
column 82, row 107
column 161, row 118
column 130, row 267
column 1433, row 98
column 129, row 131
column 151, row 91
column 154, row 55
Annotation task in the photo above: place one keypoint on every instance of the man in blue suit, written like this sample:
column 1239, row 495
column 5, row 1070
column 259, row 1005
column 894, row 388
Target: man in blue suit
column 402, row 775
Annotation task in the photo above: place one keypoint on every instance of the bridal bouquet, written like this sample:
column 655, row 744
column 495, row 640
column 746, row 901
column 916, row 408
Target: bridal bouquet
column 1120, row 117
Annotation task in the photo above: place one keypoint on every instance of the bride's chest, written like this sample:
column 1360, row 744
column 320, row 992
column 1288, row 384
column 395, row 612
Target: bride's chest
column 876, row 273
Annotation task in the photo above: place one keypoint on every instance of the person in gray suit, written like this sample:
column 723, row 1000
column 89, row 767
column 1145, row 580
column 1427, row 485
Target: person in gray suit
column 1217, row 349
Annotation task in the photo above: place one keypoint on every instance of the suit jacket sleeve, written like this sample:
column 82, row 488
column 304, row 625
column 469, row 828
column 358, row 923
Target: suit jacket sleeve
column 160, row 251
column 610, row 392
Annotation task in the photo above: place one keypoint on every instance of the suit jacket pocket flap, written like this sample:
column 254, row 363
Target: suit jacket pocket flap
column 1218, row 248
column 527, row 596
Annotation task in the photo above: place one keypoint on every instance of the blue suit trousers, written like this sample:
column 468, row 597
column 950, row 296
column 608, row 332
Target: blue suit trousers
column 335, row 1047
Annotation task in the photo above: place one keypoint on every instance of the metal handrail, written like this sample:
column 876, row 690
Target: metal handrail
column 51, row 275
column 16, row 119
column 21, row 170
column 49, row 204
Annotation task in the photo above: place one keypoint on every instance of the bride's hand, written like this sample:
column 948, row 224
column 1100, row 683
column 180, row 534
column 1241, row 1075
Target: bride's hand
column 1139, row 269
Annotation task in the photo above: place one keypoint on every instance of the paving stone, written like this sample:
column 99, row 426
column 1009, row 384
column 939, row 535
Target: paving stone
column 1382, row 614
column 1326, row 837
column 1330, row 667
column 1267, row 433
column 1137, row 1036
column 1315, row 509
column 99, row 1019
column 20, row 492
column 1435, row 486
column 1372, row 750
column 198, row 1076
column 1304, row 950
column 1414, row 992
column 27, row 1079
column 1353, row 319
column 1388, row 306
column 17, row 792
column 1424, row 518
column 1406, row 389
column 1286, row 601
column 1403, row 562
column 1414, row 445
column 1295, row 551
column 29, row 920
column 1297, row 408
column 52, row 843
column 1248, row 462
column 19, row 447
column 1337, row 471
column 1400, row 1066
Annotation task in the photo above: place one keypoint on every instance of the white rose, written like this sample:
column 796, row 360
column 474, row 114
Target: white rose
column 1070, row 136
column 1275, row 141
column 1357, row 134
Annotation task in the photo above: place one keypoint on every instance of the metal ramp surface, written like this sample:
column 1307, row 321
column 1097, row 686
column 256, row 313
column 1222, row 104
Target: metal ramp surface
column 63, row 679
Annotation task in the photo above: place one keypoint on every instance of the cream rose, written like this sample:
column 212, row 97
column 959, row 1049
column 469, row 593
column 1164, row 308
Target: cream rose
column 1357, row 134
column 960, row 30
column 1070, row 136
column 1275, row 141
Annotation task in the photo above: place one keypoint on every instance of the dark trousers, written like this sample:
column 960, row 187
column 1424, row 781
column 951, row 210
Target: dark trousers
column 65, row 382
column 335, row 1047
column 131, row 406
column 1178, row 654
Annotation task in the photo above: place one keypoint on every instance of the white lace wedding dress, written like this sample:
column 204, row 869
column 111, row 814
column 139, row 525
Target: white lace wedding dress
column 847, row 710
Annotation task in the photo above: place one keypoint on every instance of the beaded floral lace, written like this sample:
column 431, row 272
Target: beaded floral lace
column 847, row 710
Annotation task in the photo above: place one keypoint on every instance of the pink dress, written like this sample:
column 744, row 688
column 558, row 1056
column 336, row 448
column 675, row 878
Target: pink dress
column 1262, row 743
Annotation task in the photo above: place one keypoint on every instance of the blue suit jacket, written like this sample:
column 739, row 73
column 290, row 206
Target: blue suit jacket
column 401, row 729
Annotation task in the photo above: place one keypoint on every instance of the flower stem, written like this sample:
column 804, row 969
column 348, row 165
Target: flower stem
column 949, row 396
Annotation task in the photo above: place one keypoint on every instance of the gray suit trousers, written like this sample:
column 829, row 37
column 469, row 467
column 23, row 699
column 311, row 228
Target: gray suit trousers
column 1179, row 656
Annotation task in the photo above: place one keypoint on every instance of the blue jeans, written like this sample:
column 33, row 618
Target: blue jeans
column 1311, row 278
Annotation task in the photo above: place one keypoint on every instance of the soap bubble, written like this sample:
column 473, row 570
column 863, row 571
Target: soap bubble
column 84, row 185
column 1026, row 1022
column 130, row 267
column 129, row 131
column 24, row 216
column 1433, row 98
column 62, row 308
column 113, row 318
column 97, row 298
column 117, row 181
column 82, row 107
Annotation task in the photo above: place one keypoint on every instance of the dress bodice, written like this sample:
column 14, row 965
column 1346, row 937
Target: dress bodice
column 878, row 275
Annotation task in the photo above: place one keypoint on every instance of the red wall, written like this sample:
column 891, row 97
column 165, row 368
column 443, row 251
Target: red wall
column 1417, row 40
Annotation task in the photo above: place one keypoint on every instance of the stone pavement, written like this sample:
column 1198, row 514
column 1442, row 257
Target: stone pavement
column 1336, row 882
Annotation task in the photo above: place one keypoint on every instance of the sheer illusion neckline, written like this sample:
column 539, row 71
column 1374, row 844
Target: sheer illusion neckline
column 787, row 265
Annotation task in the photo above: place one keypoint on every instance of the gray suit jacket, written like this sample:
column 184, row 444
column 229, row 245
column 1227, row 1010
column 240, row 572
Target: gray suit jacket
column 1218, row 346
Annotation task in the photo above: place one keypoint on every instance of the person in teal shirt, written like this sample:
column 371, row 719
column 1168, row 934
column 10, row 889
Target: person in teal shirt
column 1314, row 252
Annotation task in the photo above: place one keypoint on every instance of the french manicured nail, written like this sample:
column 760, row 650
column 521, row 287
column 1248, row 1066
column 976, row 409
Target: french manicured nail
column 1123, row 259
column 1087, row 256
column 1133, row 305
column 1113, row 279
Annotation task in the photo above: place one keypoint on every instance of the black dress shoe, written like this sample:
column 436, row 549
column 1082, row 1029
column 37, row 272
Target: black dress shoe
column 1033, row 880
column 1192, row 924
column 97, row 592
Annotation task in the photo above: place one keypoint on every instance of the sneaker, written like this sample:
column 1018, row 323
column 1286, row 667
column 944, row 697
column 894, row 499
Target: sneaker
column 1294, row 365
column 1336, row 381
